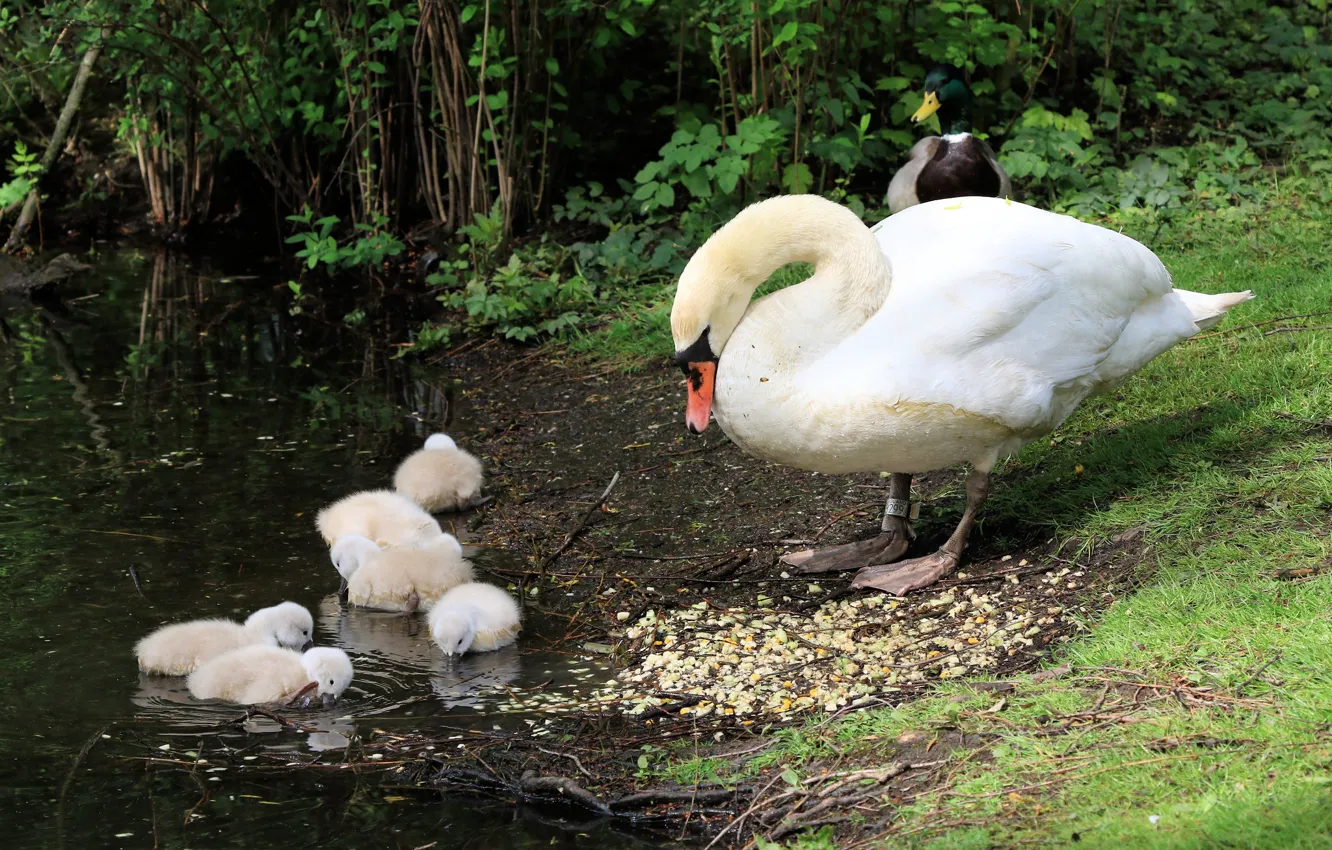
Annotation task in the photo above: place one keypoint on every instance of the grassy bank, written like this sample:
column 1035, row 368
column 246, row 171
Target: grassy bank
column 1196, row 712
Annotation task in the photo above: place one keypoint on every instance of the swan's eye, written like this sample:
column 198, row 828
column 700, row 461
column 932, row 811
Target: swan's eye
column 330, row 681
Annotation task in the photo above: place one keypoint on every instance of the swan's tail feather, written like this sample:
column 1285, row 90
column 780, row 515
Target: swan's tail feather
column 1207, row 310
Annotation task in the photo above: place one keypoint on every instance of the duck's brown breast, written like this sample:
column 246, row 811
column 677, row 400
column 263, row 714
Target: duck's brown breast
column 958, row 168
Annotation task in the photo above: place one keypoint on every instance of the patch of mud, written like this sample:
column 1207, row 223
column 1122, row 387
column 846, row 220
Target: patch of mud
column 678, row 569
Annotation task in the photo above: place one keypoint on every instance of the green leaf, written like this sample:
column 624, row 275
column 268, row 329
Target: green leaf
column 788, row 32
column 665, row 196
column 698, row 184
column 552, row 65
column 797, row 178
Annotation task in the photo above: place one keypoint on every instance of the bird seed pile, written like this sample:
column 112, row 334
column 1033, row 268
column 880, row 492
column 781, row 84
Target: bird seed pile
column 766, row 661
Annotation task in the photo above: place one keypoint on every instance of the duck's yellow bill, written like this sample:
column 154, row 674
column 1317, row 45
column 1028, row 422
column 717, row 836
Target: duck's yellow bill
column 928, row 108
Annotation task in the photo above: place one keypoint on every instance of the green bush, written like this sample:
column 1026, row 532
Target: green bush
column 629, row 129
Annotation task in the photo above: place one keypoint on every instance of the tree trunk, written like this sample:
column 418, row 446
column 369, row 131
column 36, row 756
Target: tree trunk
column 57, row 138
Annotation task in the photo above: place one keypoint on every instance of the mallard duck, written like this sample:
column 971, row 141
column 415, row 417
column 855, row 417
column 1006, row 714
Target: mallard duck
column 177, row 649
column 475, row 617
column 403, row 578
column 954, row 165
column 254, row 675
column 440, row 476
column 957, row 330
column 381, row 515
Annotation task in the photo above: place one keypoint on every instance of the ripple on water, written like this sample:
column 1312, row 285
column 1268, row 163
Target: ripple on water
column 399, row 673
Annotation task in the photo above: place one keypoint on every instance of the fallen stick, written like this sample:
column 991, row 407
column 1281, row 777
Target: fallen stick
column 57, row 141
column 649, row 798
column 578, row 529
column 1260, row 324
column 566, row 788
column 1299, row 572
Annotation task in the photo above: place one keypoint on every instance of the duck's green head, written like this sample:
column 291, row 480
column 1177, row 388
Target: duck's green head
column 946, row 92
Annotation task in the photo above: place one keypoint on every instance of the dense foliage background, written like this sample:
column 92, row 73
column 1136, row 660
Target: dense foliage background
column 612, row 136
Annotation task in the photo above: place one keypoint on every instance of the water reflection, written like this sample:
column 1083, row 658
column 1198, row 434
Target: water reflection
column 168, row 434
column 466, row 682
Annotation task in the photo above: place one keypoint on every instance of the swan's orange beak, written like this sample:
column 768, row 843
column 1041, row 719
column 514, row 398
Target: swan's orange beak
column 699, row 378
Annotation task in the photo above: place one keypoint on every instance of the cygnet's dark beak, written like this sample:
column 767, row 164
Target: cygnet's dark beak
column 328, row 699
column 307, row 645
column 342, row 592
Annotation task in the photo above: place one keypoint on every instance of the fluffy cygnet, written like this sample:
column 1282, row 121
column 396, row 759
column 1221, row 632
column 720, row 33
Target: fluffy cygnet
column 402, row 578
column 439, row 477
column 381, row 515
column 266, row 674
column 475, row 616
column 176, row 650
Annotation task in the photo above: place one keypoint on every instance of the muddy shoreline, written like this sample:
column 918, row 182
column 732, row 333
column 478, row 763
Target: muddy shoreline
column 692, row 528
column 693, row 522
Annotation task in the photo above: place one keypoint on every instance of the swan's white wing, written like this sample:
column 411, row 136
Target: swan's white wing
column 1009, row 312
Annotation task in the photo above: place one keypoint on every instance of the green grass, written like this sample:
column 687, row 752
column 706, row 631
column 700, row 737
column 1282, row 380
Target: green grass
column 1204, row 454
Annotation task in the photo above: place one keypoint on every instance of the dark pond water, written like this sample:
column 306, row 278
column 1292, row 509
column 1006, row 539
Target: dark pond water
column 167, row 434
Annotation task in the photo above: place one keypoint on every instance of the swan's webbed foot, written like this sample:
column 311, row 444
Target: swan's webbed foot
column 413, row 602
column 886, row 547
column 902, row 578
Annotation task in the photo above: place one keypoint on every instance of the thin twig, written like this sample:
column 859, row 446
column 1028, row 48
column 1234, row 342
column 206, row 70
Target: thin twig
column 129, row 534
column 1081, row 776
column 572, row 757
column 739, row 822
column 1317, row 423
column 645, row 557
column 1260, row 324
column 578, row 529
column 1239, row 692
column 1297, row 329
column 135, row 575
column 69, row 780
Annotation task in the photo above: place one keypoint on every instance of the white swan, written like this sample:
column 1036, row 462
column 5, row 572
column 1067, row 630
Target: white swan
column 956, row 330
column 254, row 675
column 475, row 616
column 439, row 477
column 177, row 649
column 381, row 515
column 402, row 578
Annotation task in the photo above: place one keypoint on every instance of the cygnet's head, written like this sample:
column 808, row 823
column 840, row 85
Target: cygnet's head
column 288, row 625
column 436, row 442
column 454, row 629
column 351, row 552
column 331, row 669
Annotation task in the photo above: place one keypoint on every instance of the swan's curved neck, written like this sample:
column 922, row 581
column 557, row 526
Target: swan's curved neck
column 720, row 279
